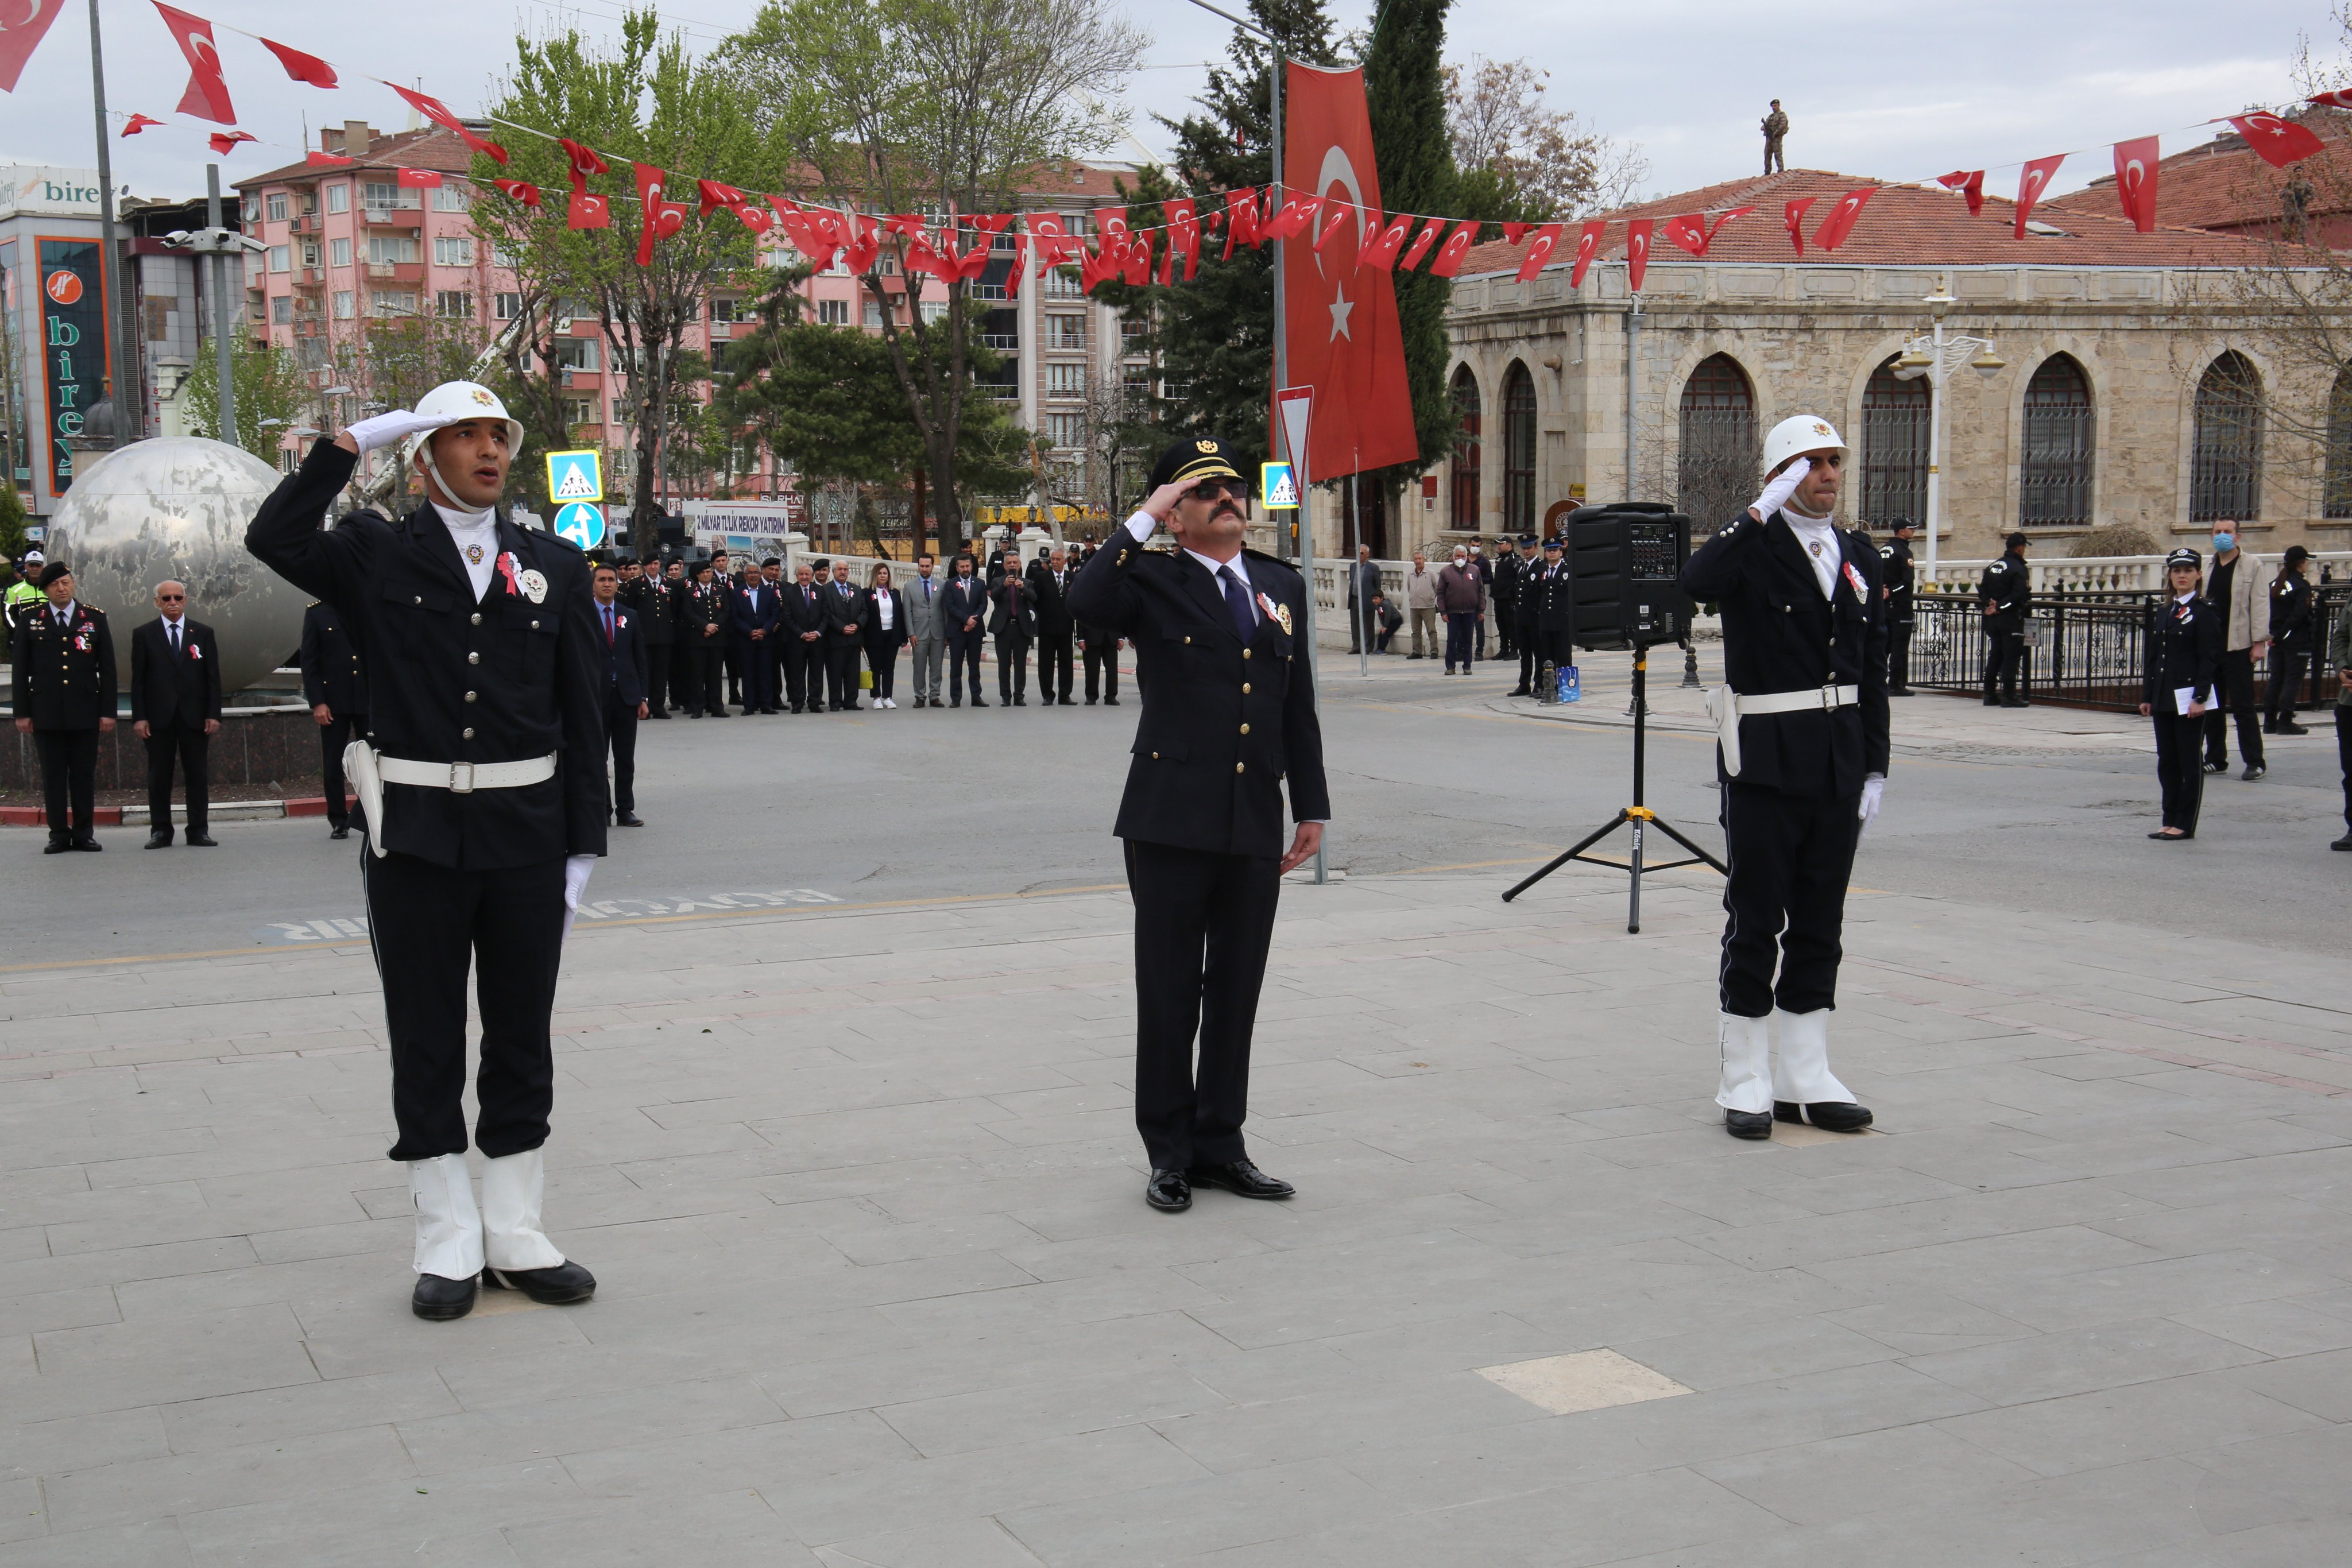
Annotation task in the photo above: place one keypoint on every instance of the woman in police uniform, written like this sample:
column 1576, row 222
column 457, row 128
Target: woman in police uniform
column 2184, row 655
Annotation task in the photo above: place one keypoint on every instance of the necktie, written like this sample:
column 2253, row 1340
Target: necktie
column 608, row 625
column 927, row 590
column 1237, row 602
column 176, row 639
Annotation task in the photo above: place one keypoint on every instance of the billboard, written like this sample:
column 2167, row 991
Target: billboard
column 73, row 347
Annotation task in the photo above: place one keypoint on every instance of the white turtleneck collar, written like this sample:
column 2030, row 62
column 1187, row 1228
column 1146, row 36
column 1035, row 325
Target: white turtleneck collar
column 475, row 534
column 1817, row 537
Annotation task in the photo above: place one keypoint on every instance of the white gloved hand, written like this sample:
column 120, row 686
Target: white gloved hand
column 383, row 429
column 1872, row 789
column 1777, row 489
column 575, row 883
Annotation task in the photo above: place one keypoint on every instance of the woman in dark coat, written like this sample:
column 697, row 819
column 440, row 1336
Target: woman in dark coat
column 2184, row 656
column 885, row 631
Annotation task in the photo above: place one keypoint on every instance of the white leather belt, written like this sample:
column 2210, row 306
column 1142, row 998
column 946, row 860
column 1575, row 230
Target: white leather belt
column 1727, row 708
column 370, row 770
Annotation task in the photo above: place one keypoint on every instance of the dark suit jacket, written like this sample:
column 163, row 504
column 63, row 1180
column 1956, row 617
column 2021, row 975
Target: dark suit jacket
column 171, row 693
column 532, row 666
column 967, row 599
column 1225, row 722
column 62, row 677
column 900, row 631
column 800, row 610
column 627, row 671
column 1016, row 608
column 1780, row 635
column 1051, row 602
column 756, row 609
column 844, row 612
column 332, row 672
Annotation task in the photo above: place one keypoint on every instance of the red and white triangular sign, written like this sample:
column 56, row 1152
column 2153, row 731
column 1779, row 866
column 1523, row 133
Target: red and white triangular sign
column 1291, row 403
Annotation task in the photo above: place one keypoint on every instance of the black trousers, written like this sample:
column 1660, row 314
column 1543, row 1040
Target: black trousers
column 1460, row 625
column 68, row 776
column 621, row 736
column 1202, row 923
column 841, row 668
column 1530, row 658
column 735, row 669
column 2178, row 776
column 2344, row 758
column 2235, row 692
column 1056, row 655
column 758, row 679
column 2288, row 661
column 1102, row 661
column 685, row 670
column 1898, row 655
column 658, row 692
column 709, row 663
column 1011, row 667
column 964, row 654
column 803, row 671
column 882, row 658
column 187, row 746
column 1784, row 902
column 333, row 735
column 428, row 925
column 2004, row 653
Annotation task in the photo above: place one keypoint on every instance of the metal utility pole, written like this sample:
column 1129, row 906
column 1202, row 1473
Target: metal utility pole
column 125, row 397
column 224, row 348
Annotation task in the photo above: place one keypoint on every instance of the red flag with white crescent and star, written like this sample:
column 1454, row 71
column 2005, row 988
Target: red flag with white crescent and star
column 2135, row 181
column 1342, row 334
column 2278, row 142
column 661, row 217
column 225, row 141
column 1637, row 252
column 1840, row 223
column 302, row 66
column 1588, row 245
column 137, row 123
column 434, row 109
column 1792, row 218
column 21, row 34
column 1968, row 183
column 207, row 94
column 2032, row 181
column 1539, row 250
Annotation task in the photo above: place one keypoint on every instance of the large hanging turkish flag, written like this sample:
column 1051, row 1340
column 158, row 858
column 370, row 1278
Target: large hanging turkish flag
column 207, row 94
column 21, row 30
column 1342, row 331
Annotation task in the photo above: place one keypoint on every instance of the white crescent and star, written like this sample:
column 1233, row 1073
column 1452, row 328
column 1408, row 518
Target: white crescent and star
column 1339, row 170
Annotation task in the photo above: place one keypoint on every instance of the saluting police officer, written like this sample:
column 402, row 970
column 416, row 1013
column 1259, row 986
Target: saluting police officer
column 1803, row 726
column 1898, row 572
column 64, row 694
column 335, row 686
column 483, row 783
column 1228, row 716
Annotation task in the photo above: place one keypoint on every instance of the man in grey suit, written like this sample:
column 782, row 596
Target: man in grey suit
column 927, row 627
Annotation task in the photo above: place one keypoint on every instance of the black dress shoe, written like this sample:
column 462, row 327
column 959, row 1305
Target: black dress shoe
column 440, row 1299
column 1020, row 702
column 1168, row 1191
column 2161, row 837
column 2343, row 843
column 958, row 703
column 1241, row 1178
column 558, row 1286
column 1747, row 1123
column 2291, row 727
column 1090, row 702
column 1830, row 1115
column 90, row 846
column 57, row 846
column 197, row 841
column 629, row 819
column 339, row 830
column 977, row 701
column 2015, row 702
column 1900, row 692
column 1110, row 702
column 1067, row 703
column 160, row 840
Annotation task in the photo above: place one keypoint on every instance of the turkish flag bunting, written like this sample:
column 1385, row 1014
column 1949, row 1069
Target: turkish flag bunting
column 909, row 223
column 587, row 210
column 420, row 179
column 1112, row 225
column 1539, row 250
column 434, row 109
column 1383, row 245
column 207, row 94
column 22, row 35
column 759, row 220
column 522, row 191
column 1295, row 215
column 1342, row 334
column 1457, row 246
column 1339, row 214
column 2278, row 142
column 1637, row 253
column 1840, row 223
column 584, row 160
column 2032, row 181
column 2338, row 100
column 137, row 123
column 715, row 196
column 862, row 242
column 1020, row 266
column 1420, row 247
column 302, row 66
column 318, row 159
column 1183, row 238
column 1057, row 245
column 2135, row 181
column 1792, row 218
column 661, row 218
column 1694, row 234
column 1139, row 259
column 1588, row 245
column 1512, row 231
column 1969, row 182
column 225, row 141
column 1241, row 221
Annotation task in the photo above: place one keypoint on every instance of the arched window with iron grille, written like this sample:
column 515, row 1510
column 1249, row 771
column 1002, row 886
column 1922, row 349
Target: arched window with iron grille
column 1895, row 431
column 1716, row 457
column 2055, row 476
column 2225, row 475
column 1518, row 450
column 1464, row 514
column 2336, row 500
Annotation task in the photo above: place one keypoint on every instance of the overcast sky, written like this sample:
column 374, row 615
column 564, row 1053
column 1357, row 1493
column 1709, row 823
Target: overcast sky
column 1871, row 91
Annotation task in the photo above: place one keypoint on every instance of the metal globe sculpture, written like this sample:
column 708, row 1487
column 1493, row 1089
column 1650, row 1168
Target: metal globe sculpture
column 177, row 508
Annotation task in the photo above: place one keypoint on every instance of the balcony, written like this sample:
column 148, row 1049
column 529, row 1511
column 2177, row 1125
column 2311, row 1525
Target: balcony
column 395, row 271
column 583, row 381
column 305, row 223
column 1002, row 342
column 394, row 217
column 309, row 277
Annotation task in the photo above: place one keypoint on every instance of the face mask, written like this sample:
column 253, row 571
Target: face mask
column 2224, row 543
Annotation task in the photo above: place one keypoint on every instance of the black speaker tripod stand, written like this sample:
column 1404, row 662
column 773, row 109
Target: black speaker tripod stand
column 1637, row 816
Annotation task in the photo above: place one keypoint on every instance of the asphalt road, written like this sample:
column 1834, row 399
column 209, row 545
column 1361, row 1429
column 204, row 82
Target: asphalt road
column 1426, row 771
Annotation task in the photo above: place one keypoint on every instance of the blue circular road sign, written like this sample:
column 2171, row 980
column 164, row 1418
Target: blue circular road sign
column 581, row 522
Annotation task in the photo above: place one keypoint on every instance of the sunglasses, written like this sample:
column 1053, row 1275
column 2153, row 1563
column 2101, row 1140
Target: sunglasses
column 1210, row 489
column 172, row 598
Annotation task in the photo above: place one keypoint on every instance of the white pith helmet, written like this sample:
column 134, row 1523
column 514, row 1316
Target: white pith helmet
column 1798, row 433
column 461, row 400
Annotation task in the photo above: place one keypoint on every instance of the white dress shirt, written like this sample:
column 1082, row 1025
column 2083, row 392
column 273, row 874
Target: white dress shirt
column 477, row 533
column 1818, row 537
column 1143, row 524
column 882, row 607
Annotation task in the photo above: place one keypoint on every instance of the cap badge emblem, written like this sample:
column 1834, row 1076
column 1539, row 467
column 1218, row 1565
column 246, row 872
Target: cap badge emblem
column 1207, row 446
column 483, row 397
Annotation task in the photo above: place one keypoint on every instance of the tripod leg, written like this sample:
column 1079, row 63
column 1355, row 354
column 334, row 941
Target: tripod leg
column 1668, row 829
column 1633, row 906
column 1560, row 860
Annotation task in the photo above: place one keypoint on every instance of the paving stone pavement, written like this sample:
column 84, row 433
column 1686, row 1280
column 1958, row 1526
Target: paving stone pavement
column 879, row 1288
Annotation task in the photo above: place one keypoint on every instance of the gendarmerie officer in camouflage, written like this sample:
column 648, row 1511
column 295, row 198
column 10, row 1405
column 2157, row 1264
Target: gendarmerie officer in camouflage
column 1219, row 633
column 482, row 779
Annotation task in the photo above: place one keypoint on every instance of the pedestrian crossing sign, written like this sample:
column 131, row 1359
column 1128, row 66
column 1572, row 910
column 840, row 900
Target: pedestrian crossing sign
column 575, row 476
column 1277, row 488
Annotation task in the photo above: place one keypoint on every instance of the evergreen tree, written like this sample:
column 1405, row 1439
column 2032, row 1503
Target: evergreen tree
column 1405, row 85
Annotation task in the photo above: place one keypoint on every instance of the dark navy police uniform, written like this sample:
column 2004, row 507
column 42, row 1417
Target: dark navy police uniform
column 2184, row 650
column 333, row 678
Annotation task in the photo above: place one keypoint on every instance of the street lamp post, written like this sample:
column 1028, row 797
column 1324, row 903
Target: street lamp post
column 1937, row 355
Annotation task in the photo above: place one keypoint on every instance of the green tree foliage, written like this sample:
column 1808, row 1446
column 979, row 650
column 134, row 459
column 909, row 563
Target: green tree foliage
column 270, row 394
column 12, row 520
column 930, row 107
column 1405, row 88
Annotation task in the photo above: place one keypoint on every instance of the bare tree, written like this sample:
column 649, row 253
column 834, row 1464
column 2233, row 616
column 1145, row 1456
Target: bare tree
column 1499, row 121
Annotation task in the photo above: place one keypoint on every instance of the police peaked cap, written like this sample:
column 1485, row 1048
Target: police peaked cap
column 2186, row 557
column 1203, row 459
column 53, row 571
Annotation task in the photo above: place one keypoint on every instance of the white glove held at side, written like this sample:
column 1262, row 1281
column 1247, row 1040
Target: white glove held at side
column 1872, row 789
column 1777, row 489
column 575, row 883
column 383, row 429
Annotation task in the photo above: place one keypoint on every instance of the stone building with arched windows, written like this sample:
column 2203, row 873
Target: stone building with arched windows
column 2135, row 385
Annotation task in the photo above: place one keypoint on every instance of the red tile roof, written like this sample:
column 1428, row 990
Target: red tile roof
column 431, row 148
column 2222, row 184
column 1903, row 225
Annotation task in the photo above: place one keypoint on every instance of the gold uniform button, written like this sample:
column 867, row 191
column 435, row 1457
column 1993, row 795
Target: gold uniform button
column 1244, row 688
column 469, row 696
column 477, row 620
column 473, row 658
column 1188, row 642
column 465, row 734
column 1245, row 729
column 534, row 625
column 1241, row 767
column 1155, row 757
column 1246, row 653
